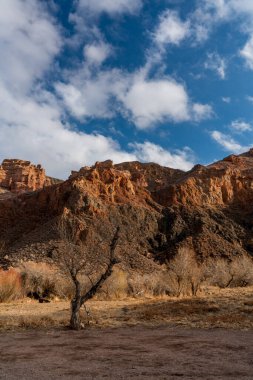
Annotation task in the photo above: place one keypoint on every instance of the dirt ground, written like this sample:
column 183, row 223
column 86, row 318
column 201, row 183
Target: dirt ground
column 205, row 337
column 127, row 353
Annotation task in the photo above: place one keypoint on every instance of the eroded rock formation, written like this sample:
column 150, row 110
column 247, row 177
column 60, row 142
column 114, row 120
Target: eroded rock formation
column 159, row 209
column 17, row 176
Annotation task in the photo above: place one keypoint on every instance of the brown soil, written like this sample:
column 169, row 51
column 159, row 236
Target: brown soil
column 127, row 353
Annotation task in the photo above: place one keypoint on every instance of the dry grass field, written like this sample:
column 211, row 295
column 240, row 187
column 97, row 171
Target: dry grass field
column 227, row 308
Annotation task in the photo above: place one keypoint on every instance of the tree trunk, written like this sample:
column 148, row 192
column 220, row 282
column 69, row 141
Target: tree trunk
column 75, row 323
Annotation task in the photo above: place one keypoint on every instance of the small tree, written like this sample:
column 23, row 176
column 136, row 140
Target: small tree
column 85, row 258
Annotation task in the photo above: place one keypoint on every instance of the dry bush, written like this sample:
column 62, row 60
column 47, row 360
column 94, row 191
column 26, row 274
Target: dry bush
column 182, row 277
column 222, row 273
column 185, row 273
column 216, row 273
column 241, row 270
column 10, row 285
column 42, row 280
column 150, row 285
column 115, row 287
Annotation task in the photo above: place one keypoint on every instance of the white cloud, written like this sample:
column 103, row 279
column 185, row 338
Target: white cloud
column 152, row 101
column 228, row 143
column 29, row 41
column 226, row 99
column 242, row 6
column 212, row 12
column 149, row 152
column 110, row 6
column 217, row 64
column 201, row 111
column 97, row 53
column 146, row 102
column 240, row 126
column 87, row 94
column 247, row 53
column 171, row 30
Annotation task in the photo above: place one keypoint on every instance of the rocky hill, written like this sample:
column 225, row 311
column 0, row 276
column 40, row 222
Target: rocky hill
column 208, row 209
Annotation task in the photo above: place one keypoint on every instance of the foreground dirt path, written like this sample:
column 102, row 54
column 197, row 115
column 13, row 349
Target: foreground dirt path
column 127, row 353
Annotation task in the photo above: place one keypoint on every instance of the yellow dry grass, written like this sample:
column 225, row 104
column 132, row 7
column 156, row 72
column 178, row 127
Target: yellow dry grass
column 229, row 308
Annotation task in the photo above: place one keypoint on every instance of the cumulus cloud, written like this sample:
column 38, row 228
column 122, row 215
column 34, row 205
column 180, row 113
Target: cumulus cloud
column 171, row 29
column 228, row 143
column 88, row 95
column 152, row 101
column 149, row 152
column 217, row 64
column 146, row 102
column 29, row 41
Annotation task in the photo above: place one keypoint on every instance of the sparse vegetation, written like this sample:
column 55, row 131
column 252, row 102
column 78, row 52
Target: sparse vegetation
column 222, row 273
column 10, row 285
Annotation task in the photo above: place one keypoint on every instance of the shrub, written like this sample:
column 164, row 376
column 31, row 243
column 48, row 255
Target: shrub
column 116, row 286
column 185, row 273
column 155, row 284
column 10, row 285
column 225, row 274
column 42, row 280
column 241, row 270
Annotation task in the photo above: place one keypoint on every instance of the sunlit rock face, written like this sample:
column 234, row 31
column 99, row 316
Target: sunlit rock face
column 159, row 210
column 17, row 176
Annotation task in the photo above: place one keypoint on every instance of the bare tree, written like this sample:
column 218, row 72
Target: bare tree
column 84, row 257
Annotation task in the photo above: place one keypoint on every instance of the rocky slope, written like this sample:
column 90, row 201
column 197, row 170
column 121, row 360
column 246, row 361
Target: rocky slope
column 208, row 209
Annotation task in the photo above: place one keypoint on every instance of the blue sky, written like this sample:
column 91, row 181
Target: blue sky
column 168, row 81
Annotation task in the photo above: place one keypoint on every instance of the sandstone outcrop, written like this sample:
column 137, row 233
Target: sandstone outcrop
column 208, row 209
column 17, row 176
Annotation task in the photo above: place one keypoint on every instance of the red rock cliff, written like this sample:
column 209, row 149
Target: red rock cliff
column 158, row 209
column 19, row 176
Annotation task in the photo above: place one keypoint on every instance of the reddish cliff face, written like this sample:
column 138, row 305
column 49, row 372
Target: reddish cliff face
column 159, row 210
column 224, row 183
column 17, row 176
